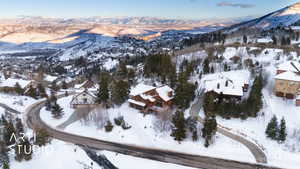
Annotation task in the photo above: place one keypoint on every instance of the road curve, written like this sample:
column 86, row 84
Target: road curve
column 34, row 121
column 9, row 108
column 257, row 152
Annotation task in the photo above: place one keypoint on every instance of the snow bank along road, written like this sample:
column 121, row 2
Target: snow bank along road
column 9, row 109
column 34, row 121
column 254, row 149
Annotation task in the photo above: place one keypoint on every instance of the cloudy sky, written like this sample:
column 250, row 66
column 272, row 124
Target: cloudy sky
column 180, row 9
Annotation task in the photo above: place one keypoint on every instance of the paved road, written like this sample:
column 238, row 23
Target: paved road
column 254, row 149
column 197, row 161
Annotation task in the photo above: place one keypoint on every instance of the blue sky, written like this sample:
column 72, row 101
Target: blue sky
column 180, row 9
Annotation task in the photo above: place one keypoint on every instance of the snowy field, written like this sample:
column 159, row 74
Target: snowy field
column 67, row 156
column 143, row 133
column 16, row 102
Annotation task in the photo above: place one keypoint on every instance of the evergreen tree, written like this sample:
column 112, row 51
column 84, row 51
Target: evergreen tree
column 54, row 86
column 254, row 102
column 57, row 111
column 120, row 92
column 178, row 129
column 206, row 66
column 41, row 90
column 245, row 39
column 6, row 165
column 272, row 128
column 23, row 150
column 282, row 131
column 109, row 127
column 209, row 129
column 42, row 138
column 19, row 127
column 4, row 158
column 103, row 92
column 31, row 92
column 9, row 131
column 19, row 89
column 64, row 85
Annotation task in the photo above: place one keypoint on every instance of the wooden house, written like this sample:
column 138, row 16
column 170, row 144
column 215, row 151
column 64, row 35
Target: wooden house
column 82, row 99
column 151, row 99
column 287, row 84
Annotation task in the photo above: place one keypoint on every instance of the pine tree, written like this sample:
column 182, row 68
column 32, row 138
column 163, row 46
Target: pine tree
column 120, row 92
column 282, row 131
column 109, row 127
column 178, row 129
column 19, row 127
column 4, row 158
column 9, row 131
column 31, row 92
column 272, row 128
column 245, row 39
column 23, row 150
column 57, row 111
column 19, row 89
column 206, row 66
column 64, row 85
column 103, row 92
column 42, row 138
column 6, row 165
column 209, row 129
column 41, row 90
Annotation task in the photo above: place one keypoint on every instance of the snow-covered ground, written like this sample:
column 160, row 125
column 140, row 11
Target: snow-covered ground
column 17, row 102
column 286, row 155
column 67, row 111
column 143, row 133
column 67, row 156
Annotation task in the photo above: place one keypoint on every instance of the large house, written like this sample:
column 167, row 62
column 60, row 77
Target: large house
column 151, row 99
column 228, row 86
column 82, row 99
column 287, row 80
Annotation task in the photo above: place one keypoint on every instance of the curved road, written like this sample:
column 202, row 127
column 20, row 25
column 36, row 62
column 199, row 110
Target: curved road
column 34, row 121
column 254, row 148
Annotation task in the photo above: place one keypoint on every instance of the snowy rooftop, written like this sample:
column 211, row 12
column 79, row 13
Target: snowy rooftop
column 288, row 76
column 163, row 92
column 136, row 102
column 235, row 81
column 140, row 89
column 219, row 86
column 288, row 66
column 11, row 82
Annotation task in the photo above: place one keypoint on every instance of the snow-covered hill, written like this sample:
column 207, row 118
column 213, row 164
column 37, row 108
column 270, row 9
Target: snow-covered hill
column 284, row 17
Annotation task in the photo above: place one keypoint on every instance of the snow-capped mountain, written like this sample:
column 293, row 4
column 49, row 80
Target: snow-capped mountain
column 284, row 17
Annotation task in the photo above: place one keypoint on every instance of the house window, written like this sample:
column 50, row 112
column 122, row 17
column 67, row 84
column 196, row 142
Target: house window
column 85, row 100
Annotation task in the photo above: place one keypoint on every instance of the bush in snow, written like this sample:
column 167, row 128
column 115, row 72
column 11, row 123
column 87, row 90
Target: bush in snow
column 109, row 127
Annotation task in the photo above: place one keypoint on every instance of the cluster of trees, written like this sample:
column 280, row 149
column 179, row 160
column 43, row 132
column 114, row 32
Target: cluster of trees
column 116, row 91
column 210, row 122
column 232, row 108
column 206, row 38
column 184, row 91
column 275, row 131
column 36, row 92
column 181, row 126
column 161, row 66
column 52, row 105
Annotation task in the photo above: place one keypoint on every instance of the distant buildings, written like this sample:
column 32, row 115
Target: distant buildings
column 151, row 99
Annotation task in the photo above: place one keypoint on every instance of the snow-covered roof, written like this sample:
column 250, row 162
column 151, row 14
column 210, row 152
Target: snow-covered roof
column 136, row 102
column 163, row 92
column 11, row 82
column 140, row 89
column 291, row 76
column 288, row 66
column 148, row 97
column 219, row 86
